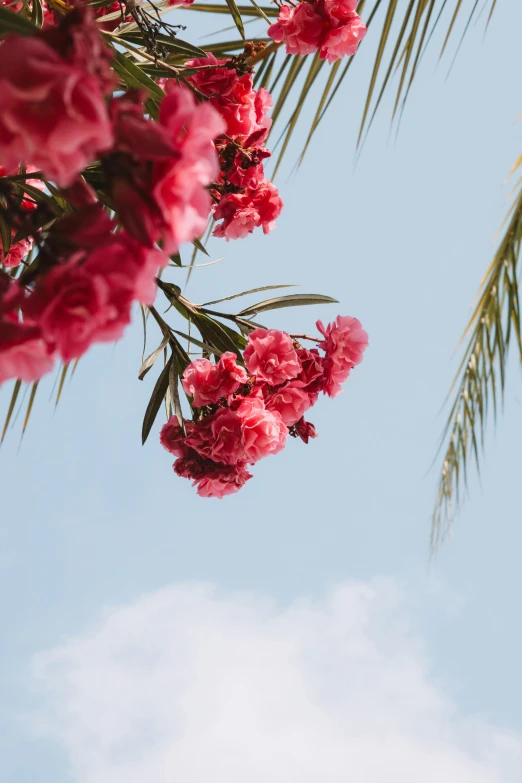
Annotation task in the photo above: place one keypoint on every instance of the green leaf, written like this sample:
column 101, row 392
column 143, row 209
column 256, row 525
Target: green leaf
column 62, row 381
column 292, row 300
column 11, row 22
column 170, row 43
column 218, row 335
column 37, row 13
column 30, row 405
column 244, row 10
column 10, row 410
column 199, row 343
column 174, row 391
column 5, row 234
column 133, row 76
column 251, row 291
column 160, row 389
column 199, row 246
column 492, row 328
column 236, row 17
column 39, row 196
column 150, row 360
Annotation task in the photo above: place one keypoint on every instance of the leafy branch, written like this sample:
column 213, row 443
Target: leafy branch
column 480, row 380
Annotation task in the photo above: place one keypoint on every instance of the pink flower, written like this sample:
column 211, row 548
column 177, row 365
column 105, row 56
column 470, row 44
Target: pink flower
column 207, row 382
column 216, row 83
column 344, row 344
column 199, row 437
column 243, row 108
column 262, row 103
column 330, row 27
column 179, row 188
column 225, row 481
column 305, row 430
column 342, row 41
column 264, row 432
column 243, row 212
column 88, row 299
column 211, row 478
column 23, row 353
column 227, row 437
column 271, row 357
column 135, row 134
column 245, row 170
column 290, row 401
column 312, row 372
column 300, row 28
column 53, row 112
column 72, row 306
column 16, row 253
column 128, row 267
column 172, row 438
column 338, row 11
column 159, row 187
column 201, row 382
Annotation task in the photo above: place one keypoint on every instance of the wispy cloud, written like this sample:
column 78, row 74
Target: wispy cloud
column 192, row 685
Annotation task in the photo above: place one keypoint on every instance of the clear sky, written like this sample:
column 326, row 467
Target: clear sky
column 324, row 646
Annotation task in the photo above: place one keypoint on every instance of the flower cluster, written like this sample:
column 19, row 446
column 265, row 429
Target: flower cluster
column 52, row 92
column 244, row 198
column 19, row 250
column 84, row 296
column 158, row 172
column 330, row 27
column 242, row 414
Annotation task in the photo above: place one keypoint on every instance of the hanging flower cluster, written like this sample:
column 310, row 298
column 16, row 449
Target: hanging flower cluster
column 112, row 156
column 242, row 414
column 243, row 198
column 164, row 177
column 330, row 27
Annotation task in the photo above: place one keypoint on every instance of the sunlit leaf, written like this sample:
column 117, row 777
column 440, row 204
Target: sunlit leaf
column 292, row 300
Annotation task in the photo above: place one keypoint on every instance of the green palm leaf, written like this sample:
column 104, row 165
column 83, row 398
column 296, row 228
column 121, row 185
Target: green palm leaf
column 494, row 325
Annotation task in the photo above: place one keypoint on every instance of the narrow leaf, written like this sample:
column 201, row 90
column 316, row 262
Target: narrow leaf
column 14, row 397
column 292, row 300
column 160, row 389
column 236, row 17
column 150, row 360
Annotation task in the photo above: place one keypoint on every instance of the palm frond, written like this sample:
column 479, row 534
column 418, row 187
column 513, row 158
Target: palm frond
column 480, row 380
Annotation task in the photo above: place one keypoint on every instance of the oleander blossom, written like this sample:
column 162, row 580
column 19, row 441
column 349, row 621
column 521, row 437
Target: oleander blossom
column 290, row 401
column 206, row 382
column 241, row 417
column 242, row 212
column 16, row 253
column 88, row 298
column 23, row 352
column 53, row 110
column 330, row 27
column 212, row 479
column 264, row 431
column 344, row 344
column 270, row 356
column 160, row 186
column 244, row 109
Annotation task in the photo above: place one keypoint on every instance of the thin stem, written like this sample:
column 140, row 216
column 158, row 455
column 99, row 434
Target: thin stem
column 305, row 337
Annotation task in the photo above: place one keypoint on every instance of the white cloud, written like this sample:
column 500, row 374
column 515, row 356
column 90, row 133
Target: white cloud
column 191, row 685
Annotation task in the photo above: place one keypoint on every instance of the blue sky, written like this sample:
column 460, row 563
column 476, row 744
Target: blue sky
column 91, row 520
